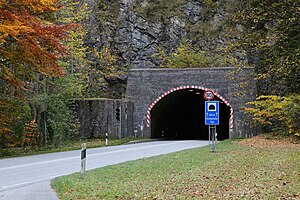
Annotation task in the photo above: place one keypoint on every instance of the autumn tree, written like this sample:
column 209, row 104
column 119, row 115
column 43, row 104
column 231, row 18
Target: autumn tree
column 104, row 75
column 269, row 31
column 277, row 113
column 30, row 47
column 74, row 11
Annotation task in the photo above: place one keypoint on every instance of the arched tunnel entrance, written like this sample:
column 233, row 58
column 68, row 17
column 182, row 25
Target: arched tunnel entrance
column 180, row 115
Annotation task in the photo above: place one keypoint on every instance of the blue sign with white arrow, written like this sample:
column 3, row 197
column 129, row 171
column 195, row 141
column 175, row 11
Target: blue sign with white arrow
column 211, row 113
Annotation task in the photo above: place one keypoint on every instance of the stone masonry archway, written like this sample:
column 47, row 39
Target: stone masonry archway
column 179, row 114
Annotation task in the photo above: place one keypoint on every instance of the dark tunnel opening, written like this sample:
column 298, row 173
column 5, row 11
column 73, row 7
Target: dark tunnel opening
column 180, row 115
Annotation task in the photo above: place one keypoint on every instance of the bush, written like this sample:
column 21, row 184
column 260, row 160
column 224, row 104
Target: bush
column 277, row 113
column 61, row 125
column 14, row 114
column 186, row 56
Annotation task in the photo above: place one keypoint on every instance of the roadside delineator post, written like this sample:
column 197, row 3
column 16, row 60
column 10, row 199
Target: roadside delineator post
column 135, row 133
column 83, row 159
column 106, row 139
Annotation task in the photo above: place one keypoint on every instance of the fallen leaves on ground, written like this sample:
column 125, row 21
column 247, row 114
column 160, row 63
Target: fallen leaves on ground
column 270, row 142
column 254, row 168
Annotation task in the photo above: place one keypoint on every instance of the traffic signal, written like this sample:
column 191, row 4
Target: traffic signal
column 118, row 114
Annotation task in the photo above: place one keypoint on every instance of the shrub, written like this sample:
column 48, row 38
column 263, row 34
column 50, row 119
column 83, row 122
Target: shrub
column 277, row 113
column 186, row 56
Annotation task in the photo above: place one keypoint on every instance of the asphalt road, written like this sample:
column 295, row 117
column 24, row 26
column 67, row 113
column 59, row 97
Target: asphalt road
column 28, row 177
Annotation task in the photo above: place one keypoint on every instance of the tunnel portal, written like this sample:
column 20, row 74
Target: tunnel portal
column 180, row 115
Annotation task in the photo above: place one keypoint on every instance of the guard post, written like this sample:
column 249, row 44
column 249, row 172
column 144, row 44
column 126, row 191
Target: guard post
column 83, row 159
column 211, row 118
column 106, row 139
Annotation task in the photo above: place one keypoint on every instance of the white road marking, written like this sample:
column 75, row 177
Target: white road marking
column 8, row 187
column 91, row 155
column 34, row 181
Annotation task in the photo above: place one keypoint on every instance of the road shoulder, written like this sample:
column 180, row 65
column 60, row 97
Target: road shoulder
column 36, row 191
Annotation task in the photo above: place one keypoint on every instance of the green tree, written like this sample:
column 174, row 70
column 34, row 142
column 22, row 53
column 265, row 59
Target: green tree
column 56, row 95
column 58, row 100
column 74, row 11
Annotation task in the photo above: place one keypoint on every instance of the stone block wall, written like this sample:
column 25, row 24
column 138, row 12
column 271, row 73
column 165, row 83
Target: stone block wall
column 99, row 116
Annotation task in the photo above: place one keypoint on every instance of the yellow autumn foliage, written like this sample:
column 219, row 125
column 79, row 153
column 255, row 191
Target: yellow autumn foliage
column 277, row 112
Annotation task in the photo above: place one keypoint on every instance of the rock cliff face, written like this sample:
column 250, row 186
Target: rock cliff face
column 136, row 32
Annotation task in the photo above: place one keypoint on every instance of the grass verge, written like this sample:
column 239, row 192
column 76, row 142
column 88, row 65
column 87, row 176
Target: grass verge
column 239, row 170
column 75, row 145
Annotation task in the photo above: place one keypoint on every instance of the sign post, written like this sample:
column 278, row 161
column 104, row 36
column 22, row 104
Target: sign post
column 83, row 159
column 212, row 119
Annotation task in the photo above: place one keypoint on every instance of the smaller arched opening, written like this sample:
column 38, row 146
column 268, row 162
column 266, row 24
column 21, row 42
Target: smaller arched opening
column 179, row 114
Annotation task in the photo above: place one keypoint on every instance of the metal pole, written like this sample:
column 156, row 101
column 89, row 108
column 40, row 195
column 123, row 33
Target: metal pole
column 212, row 137
column 83, row 159
column 209, row 135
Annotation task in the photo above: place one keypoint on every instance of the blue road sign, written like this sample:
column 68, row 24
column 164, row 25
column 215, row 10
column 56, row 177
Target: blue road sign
column 211, row 113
